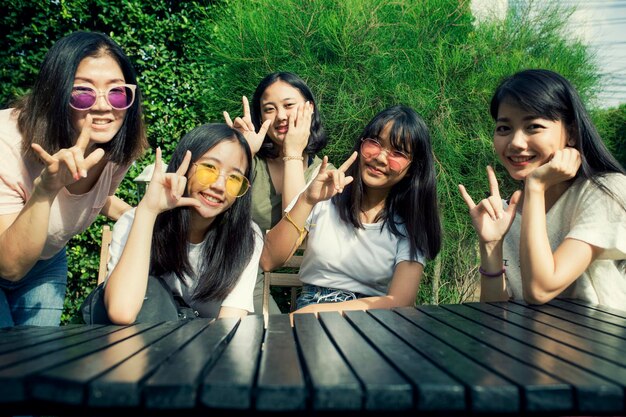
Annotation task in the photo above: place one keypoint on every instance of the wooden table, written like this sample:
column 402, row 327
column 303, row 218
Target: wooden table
column 562, row 358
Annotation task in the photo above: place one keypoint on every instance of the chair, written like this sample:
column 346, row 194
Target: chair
column 284, row 279
column 104, row 253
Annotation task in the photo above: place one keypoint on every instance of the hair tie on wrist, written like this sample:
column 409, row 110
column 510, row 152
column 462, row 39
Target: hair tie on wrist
column 491, row 274
column 296, row 158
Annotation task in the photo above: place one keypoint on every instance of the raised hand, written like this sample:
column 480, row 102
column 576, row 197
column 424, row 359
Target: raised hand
column 328, row 183
column 297, row 137
column 245, row 126
column 166, row 189
column 67, row 165
column 562, row 167
column 489, row 218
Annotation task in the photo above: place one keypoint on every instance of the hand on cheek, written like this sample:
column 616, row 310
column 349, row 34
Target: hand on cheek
column 562, row 167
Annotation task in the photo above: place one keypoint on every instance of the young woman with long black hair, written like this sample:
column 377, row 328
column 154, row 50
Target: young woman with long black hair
column 65, row 148
column 371, row 224
column 192, row 230
column 564, row 234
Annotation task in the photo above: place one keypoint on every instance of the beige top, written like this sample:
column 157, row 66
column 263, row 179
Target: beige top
column 586, row 213
column 70, row 214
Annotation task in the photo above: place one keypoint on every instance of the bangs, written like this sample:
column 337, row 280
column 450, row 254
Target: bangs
column 399, row 135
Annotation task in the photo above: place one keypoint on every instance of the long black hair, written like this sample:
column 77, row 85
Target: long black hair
column 229, row 242
column 548, row 94
column 413, row 200
column 45, row 114
column 317, row 139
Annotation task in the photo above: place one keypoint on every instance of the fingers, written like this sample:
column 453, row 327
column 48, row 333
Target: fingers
column 158, row 165
column 42, row 154
column 466, row 197
column 176, row 184
column 227, row 119
column 494, row 190
column 188, row 202
column 93, row 159
column 85, row 134
column 246, row 107
column 348, row 162
column 184, row 166
column 323, row 165
column 293, row 117
column 513, row 202
column 241, row 125
column 264, row 128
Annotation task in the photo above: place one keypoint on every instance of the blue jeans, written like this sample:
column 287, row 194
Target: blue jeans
column 36, row 299
column 312, row 294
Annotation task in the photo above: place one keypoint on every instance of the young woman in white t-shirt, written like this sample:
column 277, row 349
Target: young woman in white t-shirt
column 564, row 234
column 192, row 229
column 371, row 223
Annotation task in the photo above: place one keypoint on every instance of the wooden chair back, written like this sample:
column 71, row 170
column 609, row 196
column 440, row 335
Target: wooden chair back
column 284, row 279
column 107, row 234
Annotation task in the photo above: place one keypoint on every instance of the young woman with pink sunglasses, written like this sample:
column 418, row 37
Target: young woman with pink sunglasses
column 65, row 148
column 371, row 224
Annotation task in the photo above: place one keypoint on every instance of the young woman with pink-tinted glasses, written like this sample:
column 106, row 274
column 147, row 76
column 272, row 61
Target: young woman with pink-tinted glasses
column 371, row 224
column 65, row 148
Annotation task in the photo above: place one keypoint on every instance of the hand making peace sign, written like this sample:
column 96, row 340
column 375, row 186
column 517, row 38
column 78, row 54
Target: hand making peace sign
column 489, row 218
column 68, row 165
column 245, row 126
column 329, row 183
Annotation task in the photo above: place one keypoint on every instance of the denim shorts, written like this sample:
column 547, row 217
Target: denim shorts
column 36, row 299
column 312, row 294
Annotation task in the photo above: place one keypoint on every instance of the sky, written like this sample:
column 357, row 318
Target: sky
column 599, row 23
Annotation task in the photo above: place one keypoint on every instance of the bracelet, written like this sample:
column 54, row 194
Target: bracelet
column 301, row 230
column 295, row 158
column 491, row 274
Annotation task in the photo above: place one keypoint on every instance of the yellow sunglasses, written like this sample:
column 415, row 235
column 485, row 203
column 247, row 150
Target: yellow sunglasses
column 236, row 184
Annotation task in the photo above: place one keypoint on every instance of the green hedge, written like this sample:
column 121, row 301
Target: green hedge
column 196, row 58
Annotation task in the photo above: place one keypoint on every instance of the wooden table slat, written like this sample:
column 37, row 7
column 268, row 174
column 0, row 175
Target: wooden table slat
column 230, row 382
column 67, row 383
column 13, row 379
column 280, row 383
column 613, row 311
column 591, row 313
column 122, row 385
column 540, row 390
column 175, row 384
column 48, row 334
column 591, row 323
column 487, row 392
column 333, row 384
column 558, row 335
column 592, row 392
column 30, row 352
column 435, row 389
column 559, row 323
column 385, row 388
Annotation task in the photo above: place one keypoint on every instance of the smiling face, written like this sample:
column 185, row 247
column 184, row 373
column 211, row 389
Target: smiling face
column 278, row 103
column 525, row 141
column 376, row 172
column 229, row 157
column 101, row 73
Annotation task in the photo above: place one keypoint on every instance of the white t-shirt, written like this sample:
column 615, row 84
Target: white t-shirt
column 340, row 256
column 240, row 296
column 586, row 213
column 70, row 214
